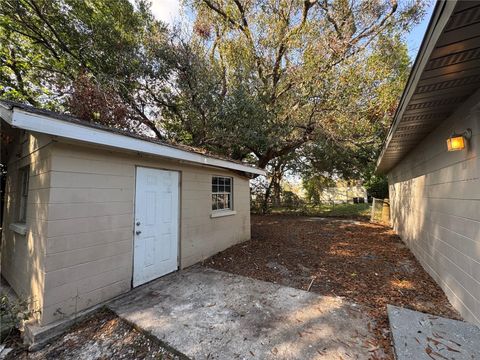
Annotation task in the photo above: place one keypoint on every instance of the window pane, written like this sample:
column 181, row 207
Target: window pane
column 23, row 192
column 221, row 202
column 222, row 188
column 25, row 182
column 214, row 202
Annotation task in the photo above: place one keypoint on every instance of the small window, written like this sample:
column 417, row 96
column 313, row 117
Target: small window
column 221, row 193
column 24, row 175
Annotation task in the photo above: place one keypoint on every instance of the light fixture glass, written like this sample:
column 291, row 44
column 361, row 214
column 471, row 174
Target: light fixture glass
column 458, row 142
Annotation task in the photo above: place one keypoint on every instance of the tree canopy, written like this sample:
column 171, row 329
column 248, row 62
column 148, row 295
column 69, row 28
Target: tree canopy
column 311, row 83
column 289, row 70
column 51, row 50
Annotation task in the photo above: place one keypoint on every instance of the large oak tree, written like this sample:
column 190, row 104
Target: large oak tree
column 276, row 66
column 268, row 81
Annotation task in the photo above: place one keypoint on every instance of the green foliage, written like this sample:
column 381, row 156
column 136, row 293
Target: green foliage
column 314, row 186
column 46, row 45
column 327, row 210
column 290, row 199
column 283, row 84
column 314, row 81
column 370, row 89
column 14, row 312
column 287, row 73
column 377, row 186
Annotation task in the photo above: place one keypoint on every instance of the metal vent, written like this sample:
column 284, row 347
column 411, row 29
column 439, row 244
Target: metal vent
column 448, row 84
column 464, row 18
column 413, row 127
column 424, row 118
column 436, row 103
column 453, row 59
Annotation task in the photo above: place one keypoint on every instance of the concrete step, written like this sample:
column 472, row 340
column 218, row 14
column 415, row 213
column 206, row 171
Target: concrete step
column 421, row 336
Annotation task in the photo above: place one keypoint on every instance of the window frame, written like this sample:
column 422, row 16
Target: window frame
column 221, row 192
column 24, row 183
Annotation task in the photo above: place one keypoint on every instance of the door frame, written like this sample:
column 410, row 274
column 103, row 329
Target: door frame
column 179, row 237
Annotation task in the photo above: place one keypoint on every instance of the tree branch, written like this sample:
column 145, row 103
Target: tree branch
column 243, row 28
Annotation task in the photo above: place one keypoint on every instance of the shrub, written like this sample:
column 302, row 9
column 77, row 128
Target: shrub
column 13, row 313
column 377, row 186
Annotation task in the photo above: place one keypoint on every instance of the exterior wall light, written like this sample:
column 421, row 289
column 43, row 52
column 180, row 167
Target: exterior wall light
column 458, row 142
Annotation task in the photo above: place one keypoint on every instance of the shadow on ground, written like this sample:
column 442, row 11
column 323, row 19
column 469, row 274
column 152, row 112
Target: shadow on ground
column 363, row 262
column 208, row 314
column 101, row 336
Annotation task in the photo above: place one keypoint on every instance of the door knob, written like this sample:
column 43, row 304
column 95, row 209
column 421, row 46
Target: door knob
column 138, row 232
column 138, row 223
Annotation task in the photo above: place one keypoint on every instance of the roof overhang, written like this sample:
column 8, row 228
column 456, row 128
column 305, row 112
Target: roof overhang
column 40, row 123
column 445, row 73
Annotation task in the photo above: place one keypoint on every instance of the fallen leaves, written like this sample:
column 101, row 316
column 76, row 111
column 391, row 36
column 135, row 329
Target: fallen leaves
column 363, row 262
column 103, row 335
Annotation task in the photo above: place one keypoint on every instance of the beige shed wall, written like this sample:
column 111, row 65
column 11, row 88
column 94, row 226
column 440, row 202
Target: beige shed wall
column 89, row 249
column 435, row 208
column 22, row 260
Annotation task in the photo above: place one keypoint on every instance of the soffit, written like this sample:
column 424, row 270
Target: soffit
column 450, row 76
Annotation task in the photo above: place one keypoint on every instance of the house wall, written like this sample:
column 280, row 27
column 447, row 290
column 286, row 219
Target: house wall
column 343, row 194
column 435, row 208
column 22, row 260
column 89, row 249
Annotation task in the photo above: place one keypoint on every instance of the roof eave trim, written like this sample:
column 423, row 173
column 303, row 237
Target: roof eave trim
column 441, row 16
column 6, row 113
column 55, row 127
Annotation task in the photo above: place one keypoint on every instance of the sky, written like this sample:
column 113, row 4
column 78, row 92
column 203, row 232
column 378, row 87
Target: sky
column 166, row 10
column 169, row 11
column 415, row 37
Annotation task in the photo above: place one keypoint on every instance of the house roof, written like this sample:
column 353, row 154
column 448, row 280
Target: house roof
column 445, row 73
column 66, row 126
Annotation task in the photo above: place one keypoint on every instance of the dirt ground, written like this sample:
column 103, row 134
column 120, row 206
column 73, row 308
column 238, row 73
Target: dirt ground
column 363, row 262
column 102, row 336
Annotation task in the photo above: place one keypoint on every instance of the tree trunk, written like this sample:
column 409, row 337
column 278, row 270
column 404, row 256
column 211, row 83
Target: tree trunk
column 277, row 190
column 266, row 198
column 274, row 188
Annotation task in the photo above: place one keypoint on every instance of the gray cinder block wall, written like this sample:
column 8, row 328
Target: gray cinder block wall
column 435, row 208
column 78, row 249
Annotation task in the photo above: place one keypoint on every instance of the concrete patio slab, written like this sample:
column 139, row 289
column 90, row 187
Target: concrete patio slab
column 421, row 336
column 209, row 314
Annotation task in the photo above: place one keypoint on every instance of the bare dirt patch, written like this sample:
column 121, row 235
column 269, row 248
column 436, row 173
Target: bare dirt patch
column 102, row 336
column 363, row 262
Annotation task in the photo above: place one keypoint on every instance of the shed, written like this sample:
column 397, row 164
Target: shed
column 435, row 193
column 91, row 212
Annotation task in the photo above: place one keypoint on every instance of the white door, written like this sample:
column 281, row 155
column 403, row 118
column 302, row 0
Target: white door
column 155, row 250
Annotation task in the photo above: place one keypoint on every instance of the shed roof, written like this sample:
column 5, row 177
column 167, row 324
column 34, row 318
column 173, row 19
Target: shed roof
column 66, row 126
column 445, row 73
